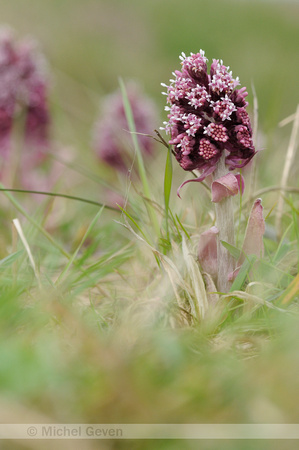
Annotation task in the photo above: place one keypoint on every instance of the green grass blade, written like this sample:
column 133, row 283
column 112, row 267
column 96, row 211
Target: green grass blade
column 242, row 275
column 167, row 187
column 141, row 168
column 78, row 168
column 57, row 194
column 10, row 259
column 291, row 292
column 234, row 251
column 20, row 208
column 296, row 227
column 281, row 246
column 240, row 209
column 73, row 257
column 135, row 223
column 182, row 227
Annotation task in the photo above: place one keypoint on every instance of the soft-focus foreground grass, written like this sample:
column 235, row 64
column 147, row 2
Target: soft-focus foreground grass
column 105, row 330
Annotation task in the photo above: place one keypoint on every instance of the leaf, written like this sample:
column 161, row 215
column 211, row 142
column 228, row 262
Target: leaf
column 234, row 251
column 243, row 273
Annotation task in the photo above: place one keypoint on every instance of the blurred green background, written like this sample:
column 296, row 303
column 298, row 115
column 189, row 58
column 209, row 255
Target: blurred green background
column 93, row 42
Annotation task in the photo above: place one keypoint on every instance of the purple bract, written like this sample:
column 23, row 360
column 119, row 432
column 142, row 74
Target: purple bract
column 207, row 116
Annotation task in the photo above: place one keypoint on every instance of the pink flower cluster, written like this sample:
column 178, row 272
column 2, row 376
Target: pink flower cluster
column 112, row 141
column 22, row 91
column 207, row 115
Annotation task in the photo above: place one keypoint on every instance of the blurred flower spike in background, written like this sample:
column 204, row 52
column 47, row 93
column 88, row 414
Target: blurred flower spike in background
column 111, row 140
column 207, row 116
column 23, row 91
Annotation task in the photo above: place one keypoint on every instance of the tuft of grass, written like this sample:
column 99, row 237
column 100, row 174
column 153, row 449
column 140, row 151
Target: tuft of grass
column 141, row 168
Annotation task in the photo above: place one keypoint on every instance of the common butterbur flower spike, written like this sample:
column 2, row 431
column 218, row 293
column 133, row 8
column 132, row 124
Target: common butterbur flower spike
column 23, row 90
column 23, row 86
column 210, row 132
column 207, row 116
column 111, row 140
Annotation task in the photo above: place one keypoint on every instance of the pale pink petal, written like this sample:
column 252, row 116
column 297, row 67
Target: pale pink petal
column 224, row 187
column 207, row 251
column 253, row 241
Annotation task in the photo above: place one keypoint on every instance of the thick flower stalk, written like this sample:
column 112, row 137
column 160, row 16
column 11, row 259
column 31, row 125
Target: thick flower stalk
column 111, row 139
column 23, row 91
column 210, row 132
